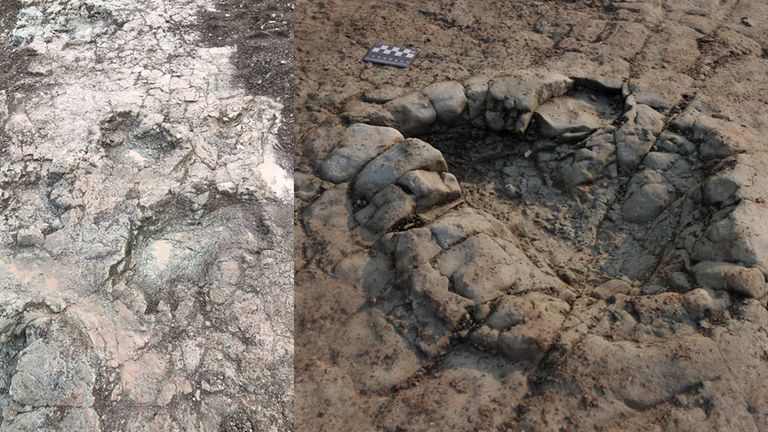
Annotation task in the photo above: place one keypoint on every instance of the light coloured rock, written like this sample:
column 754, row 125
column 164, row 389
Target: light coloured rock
column 526, row 326
column 526, row 90
column 32, row 236
column 719, row 189
column 647, row 202
column 718, row 138
column 369, row 113
column 564, row 116
column 674, row 143
column 702, row 303
column 389, row 166
column 588, row 163
column 359, row 144
column 477, row 92
column 413, row 113
column 388, row 208
column 731, row 277
column 660, row 161
column 157, row 192
column 448, row 100
column 512, row 99
column 80, row 419
column 479, row 268
column 430, row 188
column 741, row 235
column 414, row 248
column 610, row 288
column 53, row 373
column 645, row 375
column 649, row 119
column 461, row 224
column 632, row 144
column 637, row 136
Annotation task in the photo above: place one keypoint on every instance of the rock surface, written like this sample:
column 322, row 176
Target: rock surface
column 604, row 266
column 145, row 248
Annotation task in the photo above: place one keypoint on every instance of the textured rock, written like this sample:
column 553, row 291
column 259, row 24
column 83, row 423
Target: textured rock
column 610, row 288
column 495, row 293
column 448, row 100
column 719, row 189
column 660, row 161
column 477, row 93
column 146, row 193
column 360, row 144
column 636, row 137
column 590, row 162
column 731, row 277
column 512, row 99
column 413, row 113
column 702, row 303
column 430, row 188
column 389, row 207
column 368, row 113
column 389, row 166
column 567, row 116
column 469, row 263
column 525, row 326
column 647, row 202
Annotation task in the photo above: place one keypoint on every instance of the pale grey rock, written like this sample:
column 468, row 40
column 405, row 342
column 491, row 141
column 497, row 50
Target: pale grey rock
column 588, row 163
column 469, row 265
column 740, row 236
column 53, row 371
column 413, row 113
column 477, row 92
column 31, row 236
column 430, row 188
column 524, row 327
column 389, row 166
column 461, row 224
column 731, row 277
column 674, row 143
column 448, row 99
column 512, row 99
column 649, row 119
column 389, row 207
column 647, row 202
column 359, row 144
column 645, row 375
column 369, row 113
column 567, row 116
column 578, row 173
column 148, row 192
column 414, row 248
column 637, row 136
column 632, row 144
column 702, row 303
column 610, row 288
column 384, row 94
column 50, row 419
column 660, row 161
column 719, row 189
column 718, row 138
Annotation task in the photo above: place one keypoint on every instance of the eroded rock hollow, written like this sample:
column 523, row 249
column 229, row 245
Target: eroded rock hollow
column 565, row 245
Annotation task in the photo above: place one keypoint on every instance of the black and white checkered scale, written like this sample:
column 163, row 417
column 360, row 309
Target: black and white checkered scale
column 390, row 55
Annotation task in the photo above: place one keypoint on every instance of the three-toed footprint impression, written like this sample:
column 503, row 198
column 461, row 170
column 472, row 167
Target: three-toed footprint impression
column 507, row 201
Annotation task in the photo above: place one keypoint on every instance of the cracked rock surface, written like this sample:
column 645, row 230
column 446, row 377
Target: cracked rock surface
column 554, row 220
column 145, row 190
